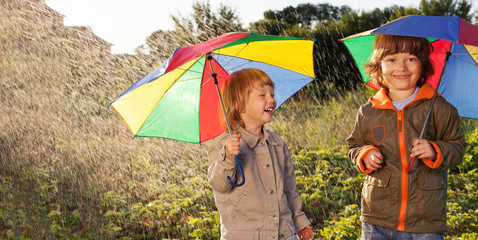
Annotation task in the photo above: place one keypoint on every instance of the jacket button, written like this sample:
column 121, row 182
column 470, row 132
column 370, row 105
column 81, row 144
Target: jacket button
column 274, row 217
column 271, row 192
column 262, row 143
column 282, row 235
column 245, row 194
column 268, row 166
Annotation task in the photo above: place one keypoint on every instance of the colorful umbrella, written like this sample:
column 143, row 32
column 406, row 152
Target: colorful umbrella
column 180, row 100
column 454, row 56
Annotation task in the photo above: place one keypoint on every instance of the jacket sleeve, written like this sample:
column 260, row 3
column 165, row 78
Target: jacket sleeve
column 221, row 165
column 450, row 142
column 295, row 204
column 357, row 147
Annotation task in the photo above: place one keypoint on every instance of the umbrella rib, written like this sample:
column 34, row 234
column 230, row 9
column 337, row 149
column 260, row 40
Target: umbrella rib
column 189, row 69
column 462, row 54
column 185, row 80
column 442, row 52
column 241, row 65
column 238, row 66
column 205, row 82
column 441, row 43
column 459, row 48
column 464, row 60
column 232, row 58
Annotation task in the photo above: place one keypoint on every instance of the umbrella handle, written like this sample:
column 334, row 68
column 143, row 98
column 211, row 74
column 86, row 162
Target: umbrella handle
column 409, row 167
column 241, row 170
column 448, row 54
column 238, row 158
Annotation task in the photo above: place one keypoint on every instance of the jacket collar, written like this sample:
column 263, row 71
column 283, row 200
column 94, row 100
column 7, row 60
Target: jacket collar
column 252, row 140
column 381, row 100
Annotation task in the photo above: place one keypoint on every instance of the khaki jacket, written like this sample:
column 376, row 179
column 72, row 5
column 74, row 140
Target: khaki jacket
column 413, row 202
column 266, row 206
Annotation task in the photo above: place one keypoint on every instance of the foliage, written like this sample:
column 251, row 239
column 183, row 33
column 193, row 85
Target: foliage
column 305, row 14
column 460, row 8
column 203, row 24
column 344, row 226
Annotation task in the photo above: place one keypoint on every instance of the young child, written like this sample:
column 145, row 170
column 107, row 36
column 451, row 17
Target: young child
column 266, row 206
column 397, row 204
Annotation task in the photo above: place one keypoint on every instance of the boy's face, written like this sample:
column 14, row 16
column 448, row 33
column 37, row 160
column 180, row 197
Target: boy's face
column 260, row 106
column 401, row 71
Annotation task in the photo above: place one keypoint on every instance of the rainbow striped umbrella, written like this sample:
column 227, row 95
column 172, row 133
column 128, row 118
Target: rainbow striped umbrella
column 179, row 100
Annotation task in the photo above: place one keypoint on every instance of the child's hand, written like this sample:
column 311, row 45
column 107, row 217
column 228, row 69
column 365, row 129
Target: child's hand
column 423, row 149
column 306, row 233
column 232, row 145
column 373, row 160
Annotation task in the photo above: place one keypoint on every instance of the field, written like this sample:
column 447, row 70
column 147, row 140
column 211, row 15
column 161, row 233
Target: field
column 69, row 168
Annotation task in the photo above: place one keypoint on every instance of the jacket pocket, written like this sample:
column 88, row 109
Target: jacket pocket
column 376, row 194
column 432, row 196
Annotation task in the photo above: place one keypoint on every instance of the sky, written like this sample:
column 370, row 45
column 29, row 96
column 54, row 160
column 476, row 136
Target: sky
column 127, row 23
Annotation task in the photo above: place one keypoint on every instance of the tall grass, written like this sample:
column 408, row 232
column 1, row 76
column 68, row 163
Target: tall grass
column 310, row 123
column 60, row 146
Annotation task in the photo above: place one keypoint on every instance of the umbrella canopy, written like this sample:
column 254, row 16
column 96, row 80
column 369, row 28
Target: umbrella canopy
column 454, row 56
column 179, row 99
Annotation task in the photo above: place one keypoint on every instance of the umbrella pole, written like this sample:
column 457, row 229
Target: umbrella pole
column 448, row 54
column 238, row 158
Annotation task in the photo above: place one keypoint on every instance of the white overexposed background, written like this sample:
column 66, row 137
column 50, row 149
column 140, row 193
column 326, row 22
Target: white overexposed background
column 127, row 23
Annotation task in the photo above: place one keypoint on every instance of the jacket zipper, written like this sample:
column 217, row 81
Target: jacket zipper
column 404, row 178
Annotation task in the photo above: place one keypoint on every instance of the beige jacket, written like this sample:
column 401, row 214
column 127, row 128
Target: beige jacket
column 266, row 206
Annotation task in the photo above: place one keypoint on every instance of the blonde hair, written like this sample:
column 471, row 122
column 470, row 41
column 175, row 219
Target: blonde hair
column 236, row 90
column 384, row 45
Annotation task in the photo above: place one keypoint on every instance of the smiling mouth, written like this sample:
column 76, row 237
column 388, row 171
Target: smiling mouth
column 271, row 110
column 402, row 77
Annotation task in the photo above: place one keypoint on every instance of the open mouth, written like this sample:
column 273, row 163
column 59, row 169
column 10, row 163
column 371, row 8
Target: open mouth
column 402, row 77
column 271, row 110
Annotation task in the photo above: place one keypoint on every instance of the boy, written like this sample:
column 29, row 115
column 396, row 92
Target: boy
column 397, row 204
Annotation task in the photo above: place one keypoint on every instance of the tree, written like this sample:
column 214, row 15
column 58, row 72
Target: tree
column 460, row 8
column 327, row 12
column 269, row 27
column 304, row 14
column 201, row 25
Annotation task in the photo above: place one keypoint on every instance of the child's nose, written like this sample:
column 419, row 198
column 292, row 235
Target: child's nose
column 402, row 64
